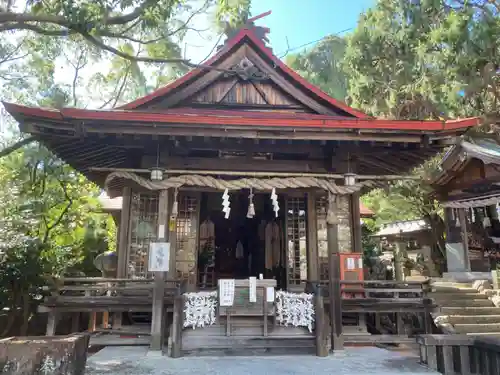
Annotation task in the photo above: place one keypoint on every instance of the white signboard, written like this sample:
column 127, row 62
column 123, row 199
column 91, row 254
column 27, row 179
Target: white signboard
column 226, row 292
column 351, row 263
column 360, row 263
column 159, row 256
column 252, row 286
column 270, row 294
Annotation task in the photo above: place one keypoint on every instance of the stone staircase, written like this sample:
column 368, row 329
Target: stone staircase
column 466, row 308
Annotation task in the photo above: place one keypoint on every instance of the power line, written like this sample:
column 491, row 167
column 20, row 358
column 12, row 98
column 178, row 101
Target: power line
column 283, row 54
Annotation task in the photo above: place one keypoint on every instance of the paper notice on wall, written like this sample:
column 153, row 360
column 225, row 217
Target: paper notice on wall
column 226, row 292
column 252, row 286
column 161, row 231
column 270, row 294
column 360, row 263
column 159, row 256
column 351, row 263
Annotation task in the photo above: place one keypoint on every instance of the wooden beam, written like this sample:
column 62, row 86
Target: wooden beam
column 377, row 163
column 234, row 164
column 253, row 146
column 252, row 132
column 158, row 318
column 259, row 174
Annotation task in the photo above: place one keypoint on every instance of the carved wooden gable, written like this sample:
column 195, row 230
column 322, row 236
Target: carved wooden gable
column 242, row 86
column 235, row 92
column 244, row 75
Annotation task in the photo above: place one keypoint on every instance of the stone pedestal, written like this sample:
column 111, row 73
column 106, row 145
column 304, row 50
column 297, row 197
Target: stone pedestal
column 56, row 355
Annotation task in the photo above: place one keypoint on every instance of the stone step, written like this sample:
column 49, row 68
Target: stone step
column 474, row 319
column 476, row 328
column 452, row 284
column 448, row 289
column 494, row 334
column 449, row 310
column 468, row 303
column 442, row 296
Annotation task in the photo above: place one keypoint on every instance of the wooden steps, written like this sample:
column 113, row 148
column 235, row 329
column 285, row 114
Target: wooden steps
column 248, row 345
column 246, row 337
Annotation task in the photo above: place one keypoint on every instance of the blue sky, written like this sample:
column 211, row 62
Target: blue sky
column 304, row 21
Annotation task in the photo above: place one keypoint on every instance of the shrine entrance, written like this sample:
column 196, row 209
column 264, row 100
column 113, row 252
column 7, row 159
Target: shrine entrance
column 249, row 242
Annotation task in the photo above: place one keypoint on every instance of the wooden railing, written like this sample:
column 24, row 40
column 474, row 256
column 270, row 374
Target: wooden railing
column 387, row 304
column 460, row 354
column 92, row 295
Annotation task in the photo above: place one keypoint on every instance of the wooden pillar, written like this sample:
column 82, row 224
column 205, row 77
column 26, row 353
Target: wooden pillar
column 312, row 238
column 465, row 237
column 52, row 323
column 398, row 260
column 122, row 245
column 357, row 243
column 122, row 250
column 172, row 238
column 457, row 258
column 336, row 336
column 158, row 309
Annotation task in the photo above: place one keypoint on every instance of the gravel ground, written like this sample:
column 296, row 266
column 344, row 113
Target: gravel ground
column 353, row 361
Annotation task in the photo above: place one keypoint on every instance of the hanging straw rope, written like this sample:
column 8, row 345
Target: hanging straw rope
column 243, row 183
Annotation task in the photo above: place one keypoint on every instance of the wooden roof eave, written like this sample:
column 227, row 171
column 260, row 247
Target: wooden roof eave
column 144, row 121
column 71, row 128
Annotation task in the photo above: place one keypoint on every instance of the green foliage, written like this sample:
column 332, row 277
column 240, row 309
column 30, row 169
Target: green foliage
column 136, row 44
column 322, row 66
column 425, row 59
column 107, row 52
column 49, row 225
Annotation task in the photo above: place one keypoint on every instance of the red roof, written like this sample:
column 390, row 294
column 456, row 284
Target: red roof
column 133, row 112
column 365, row 211
column 238, row 118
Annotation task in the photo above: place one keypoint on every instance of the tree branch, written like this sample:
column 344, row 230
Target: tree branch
column 145, row 59
column 10, row 149
column 61, row 216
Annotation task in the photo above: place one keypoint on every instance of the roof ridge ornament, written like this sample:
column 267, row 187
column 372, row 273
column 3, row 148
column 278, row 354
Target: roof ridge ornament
column 259, row 31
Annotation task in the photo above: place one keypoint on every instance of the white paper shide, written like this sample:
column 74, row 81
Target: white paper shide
column 159, row 256
column 199, row 309
column 295, row 309
column 226, row 292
